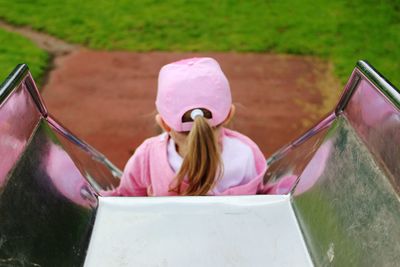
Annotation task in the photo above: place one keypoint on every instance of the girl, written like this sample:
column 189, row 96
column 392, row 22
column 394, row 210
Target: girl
column 196, row 155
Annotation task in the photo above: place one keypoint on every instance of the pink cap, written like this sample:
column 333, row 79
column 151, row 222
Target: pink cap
column 189, row 84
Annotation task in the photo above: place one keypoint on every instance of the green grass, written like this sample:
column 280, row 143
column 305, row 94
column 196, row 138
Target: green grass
column 15, row 49
column 341, row 31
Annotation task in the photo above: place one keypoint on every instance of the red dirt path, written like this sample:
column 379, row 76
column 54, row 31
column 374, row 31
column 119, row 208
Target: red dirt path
column 107, row 98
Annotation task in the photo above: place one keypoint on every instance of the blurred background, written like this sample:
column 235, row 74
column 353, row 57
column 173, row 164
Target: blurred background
column 96, row 62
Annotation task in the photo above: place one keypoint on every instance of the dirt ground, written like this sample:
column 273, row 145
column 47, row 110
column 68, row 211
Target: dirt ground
column 107, row 98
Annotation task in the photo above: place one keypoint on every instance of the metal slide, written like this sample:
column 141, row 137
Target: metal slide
column 331, row 196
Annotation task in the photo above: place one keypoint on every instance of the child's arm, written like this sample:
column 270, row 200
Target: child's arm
column 134, row 180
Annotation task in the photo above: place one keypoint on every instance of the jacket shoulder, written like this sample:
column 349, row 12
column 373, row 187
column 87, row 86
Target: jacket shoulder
column 245, row 139
column 151, row 142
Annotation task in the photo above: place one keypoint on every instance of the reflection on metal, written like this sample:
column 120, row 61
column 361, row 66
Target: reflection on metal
column 347, row 196
column 37, row 98
column 384, row 86
column 321, row 126
column 18, row 118
column 46, row 207
column 377, row 122
column 284, row 170
column 101, row 173
column 292, row 156
column 286, row 165
column 348, row 92
column 351, row 214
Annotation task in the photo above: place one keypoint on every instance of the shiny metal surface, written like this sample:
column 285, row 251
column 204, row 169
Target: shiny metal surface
column 377, row 122
column 12, row 81
column 384, row 86
column 351, row 214
column 196, row 231
column 97, row 169
column 347, row 197
column 286, row 165
column 283, row 173
column 47, row 208
column 18, row 119
column 340, row 185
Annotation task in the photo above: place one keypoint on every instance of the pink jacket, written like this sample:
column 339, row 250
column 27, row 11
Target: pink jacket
column 148, row 172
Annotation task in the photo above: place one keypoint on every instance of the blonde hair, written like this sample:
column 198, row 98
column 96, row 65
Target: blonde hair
column 202, row 163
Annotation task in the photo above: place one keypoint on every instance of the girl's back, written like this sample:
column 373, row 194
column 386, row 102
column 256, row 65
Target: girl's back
column 196, row 155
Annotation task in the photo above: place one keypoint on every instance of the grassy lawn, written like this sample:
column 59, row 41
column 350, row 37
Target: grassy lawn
column 341, row 31
column 15, row 49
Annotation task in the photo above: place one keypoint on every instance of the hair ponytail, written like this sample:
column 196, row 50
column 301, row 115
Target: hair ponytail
column 202, row 163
